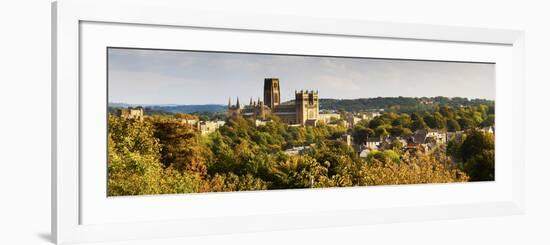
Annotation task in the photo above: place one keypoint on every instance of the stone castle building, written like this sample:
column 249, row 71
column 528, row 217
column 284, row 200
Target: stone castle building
column 135, row 113
column 304, row 110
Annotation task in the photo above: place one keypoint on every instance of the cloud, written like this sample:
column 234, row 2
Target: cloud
column 153, row 76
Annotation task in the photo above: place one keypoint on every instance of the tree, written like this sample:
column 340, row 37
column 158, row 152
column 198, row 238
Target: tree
column 381, row 131
column 435, row 121
column 396, row 131
column 430, row 121
column 134, row 166
column 477, row 152
column 439, row 120
column 338, row 157
column 453, row 147
column 447, row 112
column 374, row 123
column 396, row 145
column 409, row 170
column 452, row 125
column 386, row 156
column 418, row 124
column 163, row 155
column 414, row 116
column 407, row 132
column 489, row 121
column 233, row 182
column 466, row 123
column 185, row 116
column 481, row 167
column 475, row 143
column 360, row 134
column 403, row 120
column 181, row 147
column 133, row 158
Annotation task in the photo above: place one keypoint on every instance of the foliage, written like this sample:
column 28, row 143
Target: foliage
column 383, row 156
column 161, row 155
column 478, row 153
column 180, row 146
column 233, row 182
column 400, row 104
column 443, row 118
column 411, row 170
column 133, row 159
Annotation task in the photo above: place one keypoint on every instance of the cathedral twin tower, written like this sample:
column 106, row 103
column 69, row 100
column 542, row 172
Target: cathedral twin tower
column 303, row 110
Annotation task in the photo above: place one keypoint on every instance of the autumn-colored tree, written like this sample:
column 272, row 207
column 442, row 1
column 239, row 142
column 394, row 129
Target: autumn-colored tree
column 163, row 154
column 233, row 182
column 416, row 169
column 181, row 147
column 133, row 158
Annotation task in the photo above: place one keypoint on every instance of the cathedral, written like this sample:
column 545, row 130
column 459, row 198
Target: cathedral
column 304, row 110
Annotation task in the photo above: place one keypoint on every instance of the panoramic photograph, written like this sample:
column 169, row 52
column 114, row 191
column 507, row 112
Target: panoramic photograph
column 203, row 121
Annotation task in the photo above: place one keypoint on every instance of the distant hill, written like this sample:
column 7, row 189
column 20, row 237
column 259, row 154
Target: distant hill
column 172, row 109
column 399, row 104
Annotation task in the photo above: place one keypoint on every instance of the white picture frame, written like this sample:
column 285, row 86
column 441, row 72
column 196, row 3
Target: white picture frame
column 68, row 197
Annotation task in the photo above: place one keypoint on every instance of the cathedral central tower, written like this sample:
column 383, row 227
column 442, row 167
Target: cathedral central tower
column 272, row 93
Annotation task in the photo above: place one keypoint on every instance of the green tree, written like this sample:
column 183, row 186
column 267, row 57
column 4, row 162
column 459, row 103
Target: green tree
column 466, row 123
column 377, row 121
column 418, row 124
column 396, row 131
column 133, row 158
column 381, row 131
column 452, row 125
column 475, row 143
column 386, row 156
column 477, row 152
column 396, row 145
column 489, row 121
column 439, row 120
column 360, row 134
column 430, row 121
column 481, row 167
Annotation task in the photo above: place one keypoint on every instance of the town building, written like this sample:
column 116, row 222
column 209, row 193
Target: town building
column 437, row 136
column 372, row 143
column 329, row 117
column 352, row 120
column 259, row 123
column 135, row 113
column 369, row 115
column 297, row 150
column 346, row 138
column 188, row 121
column 426, row 139
column 304, row 110
column 208, row 127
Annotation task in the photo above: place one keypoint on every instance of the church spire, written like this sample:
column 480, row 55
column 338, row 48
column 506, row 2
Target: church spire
column 229, row 103
column 250, row 100
column 238, row 104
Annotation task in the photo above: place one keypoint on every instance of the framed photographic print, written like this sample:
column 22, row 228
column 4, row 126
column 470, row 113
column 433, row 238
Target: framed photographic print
column 169, row 122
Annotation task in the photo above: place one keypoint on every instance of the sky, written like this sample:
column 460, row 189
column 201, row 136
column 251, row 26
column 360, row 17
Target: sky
column 140, row 76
